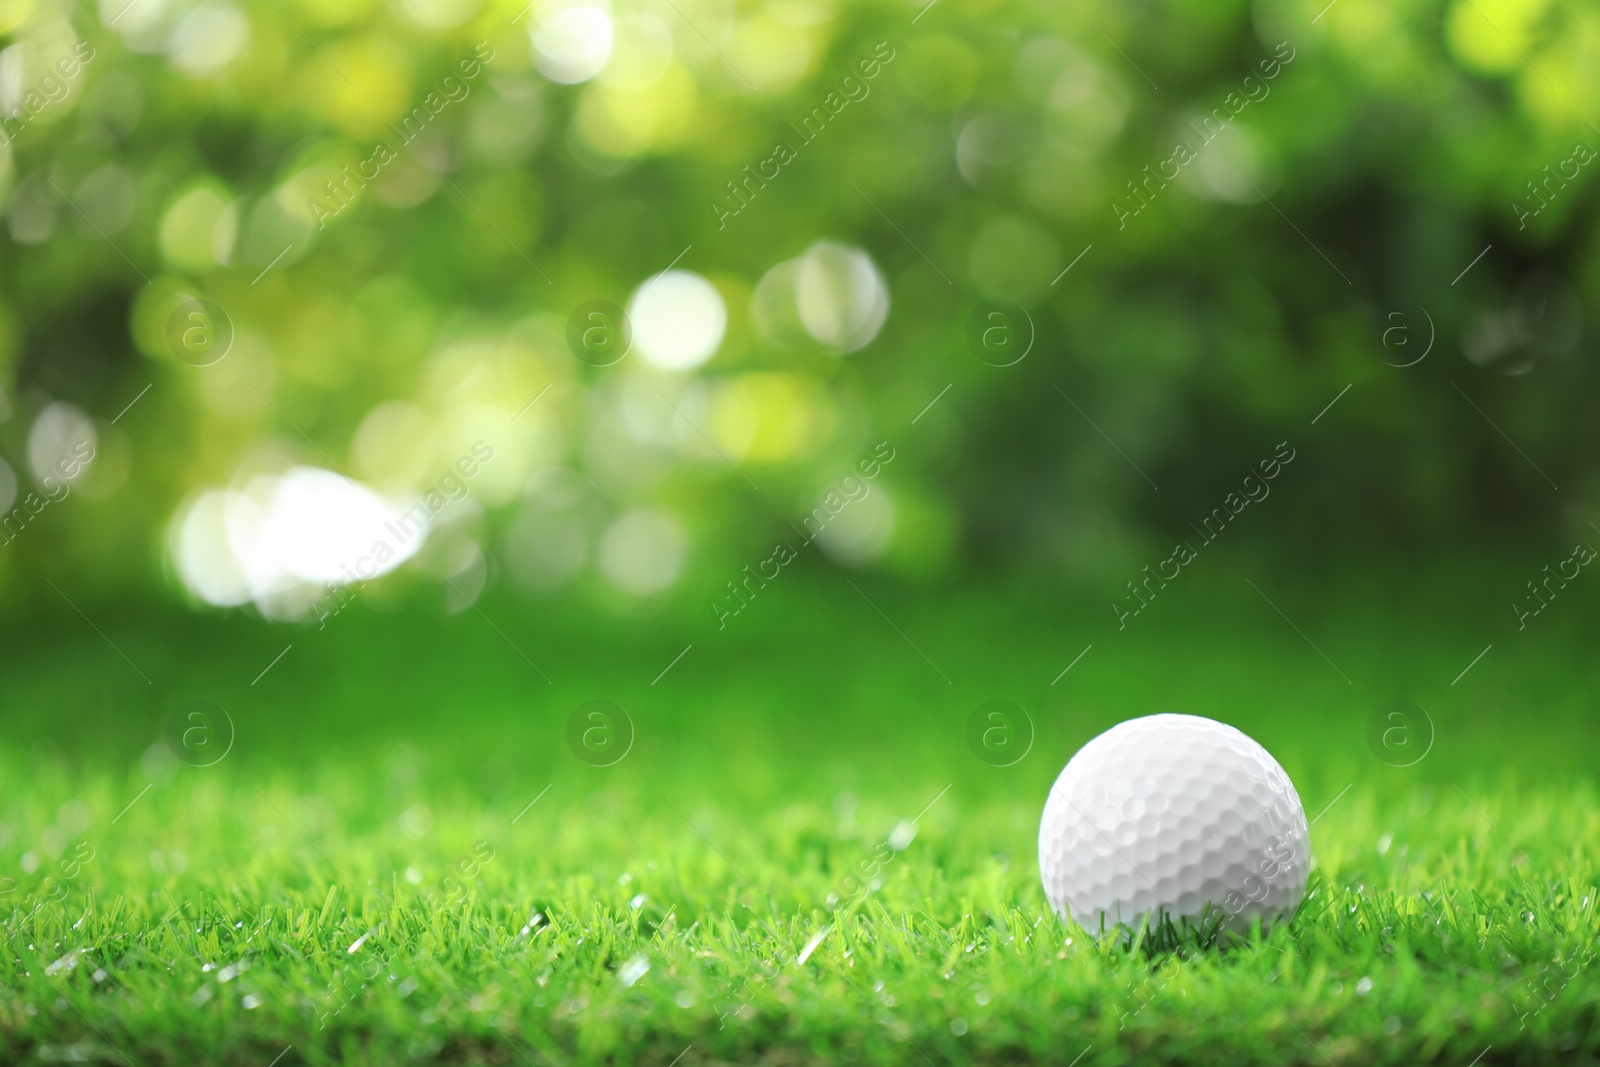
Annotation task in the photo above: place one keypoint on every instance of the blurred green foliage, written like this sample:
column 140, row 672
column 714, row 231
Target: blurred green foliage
column 995, row 149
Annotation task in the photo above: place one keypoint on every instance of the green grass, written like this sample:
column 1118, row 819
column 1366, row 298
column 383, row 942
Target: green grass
column 362, row 879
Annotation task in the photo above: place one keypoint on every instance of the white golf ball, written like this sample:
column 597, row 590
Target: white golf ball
column 1173, row 817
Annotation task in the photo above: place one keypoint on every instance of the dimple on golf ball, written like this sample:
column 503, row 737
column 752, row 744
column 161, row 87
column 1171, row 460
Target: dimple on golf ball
column 1173, row 818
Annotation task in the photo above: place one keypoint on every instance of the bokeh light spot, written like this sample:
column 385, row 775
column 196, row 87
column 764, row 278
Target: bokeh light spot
column 678, row 320
column 209, row 38
column 842, row 298
column 642, row 551
column 198, row 228
column 571, row 42
column 61, row 444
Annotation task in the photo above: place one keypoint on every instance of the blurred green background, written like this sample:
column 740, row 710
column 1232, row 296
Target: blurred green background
column 397, row 377
column 187, row 183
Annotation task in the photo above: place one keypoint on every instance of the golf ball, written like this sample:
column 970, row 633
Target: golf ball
column 1173, row 817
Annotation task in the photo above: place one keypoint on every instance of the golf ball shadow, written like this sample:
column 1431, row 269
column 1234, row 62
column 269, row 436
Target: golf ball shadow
column 1400, row 733
column 999, row 733
column 599, row 733
column 199, row 733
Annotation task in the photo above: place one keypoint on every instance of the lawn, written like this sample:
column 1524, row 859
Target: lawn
column 799, row 860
